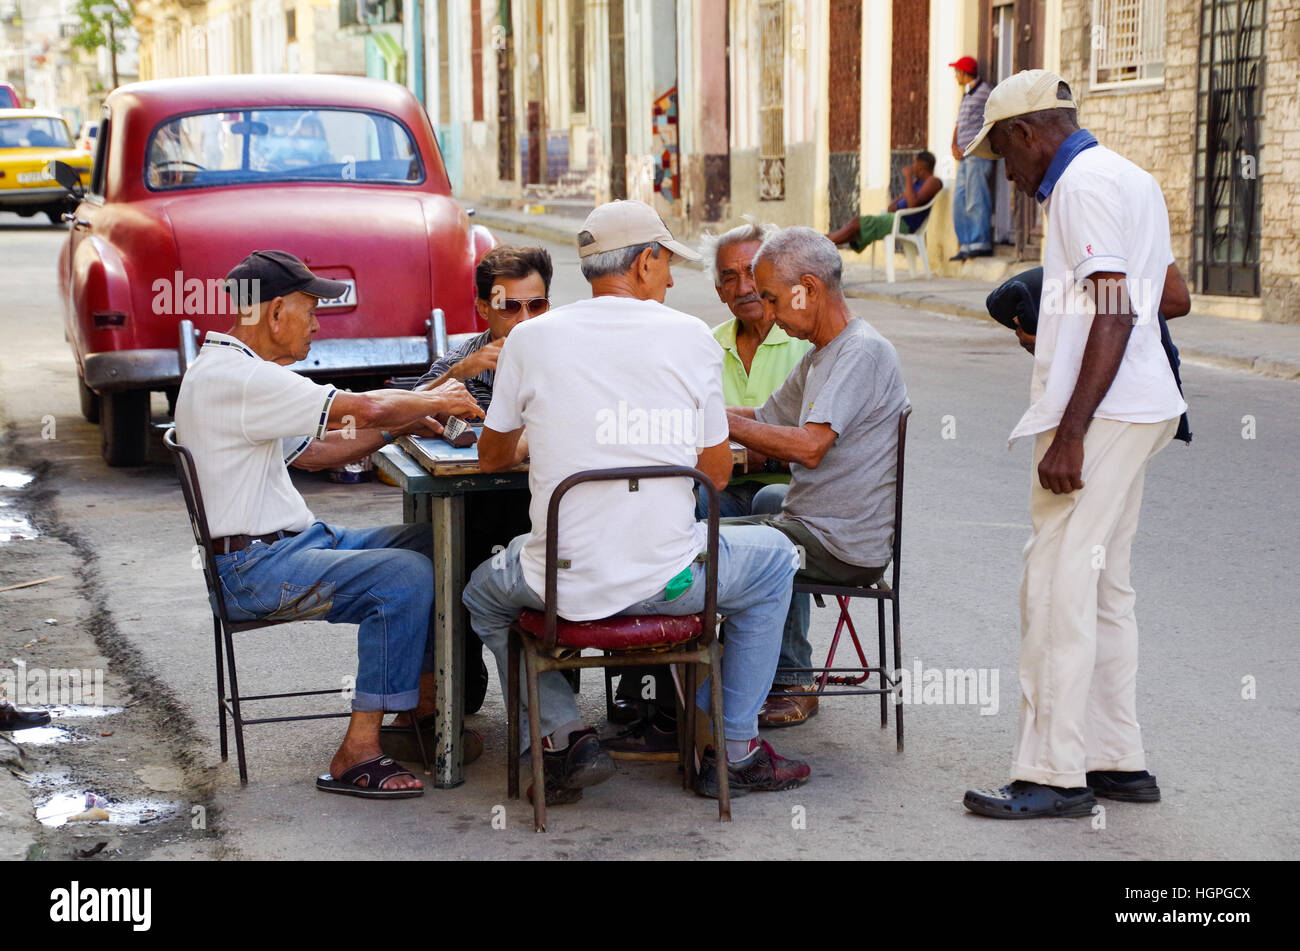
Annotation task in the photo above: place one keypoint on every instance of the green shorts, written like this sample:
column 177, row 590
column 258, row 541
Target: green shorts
column 873, row 228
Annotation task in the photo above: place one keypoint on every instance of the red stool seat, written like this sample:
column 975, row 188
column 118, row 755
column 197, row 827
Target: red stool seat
column 622, row 632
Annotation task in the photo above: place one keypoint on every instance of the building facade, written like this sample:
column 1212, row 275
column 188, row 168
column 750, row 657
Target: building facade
column 1203, row 94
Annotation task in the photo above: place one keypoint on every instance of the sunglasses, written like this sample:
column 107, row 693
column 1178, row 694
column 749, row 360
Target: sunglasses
column 512, row 307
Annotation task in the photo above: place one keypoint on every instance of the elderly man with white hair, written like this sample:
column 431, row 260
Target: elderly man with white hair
column 622, row 352
column 835, row 421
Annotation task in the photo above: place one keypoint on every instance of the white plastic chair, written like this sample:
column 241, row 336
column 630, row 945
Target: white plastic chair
column 913, row 243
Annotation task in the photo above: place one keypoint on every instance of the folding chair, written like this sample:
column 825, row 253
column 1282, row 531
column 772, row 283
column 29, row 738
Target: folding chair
column 880, row 592
column 223, row 628
column 912, row 243
column 548, row 642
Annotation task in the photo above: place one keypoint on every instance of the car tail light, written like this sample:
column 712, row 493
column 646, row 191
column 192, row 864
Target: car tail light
column 108, row 318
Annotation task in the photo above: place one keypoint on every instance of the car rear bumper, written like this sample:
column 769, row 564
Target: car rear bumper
column 337, row 356
column 24, row 197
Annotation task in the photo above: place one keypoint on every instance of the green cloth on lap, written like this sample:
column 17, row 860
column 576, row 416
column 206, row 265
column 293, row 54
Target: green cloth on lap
column 873, row 228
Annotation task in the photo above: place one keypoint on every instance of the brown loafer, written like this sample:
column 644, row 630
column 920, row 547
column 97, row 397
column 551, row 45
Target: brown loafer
column 789, row 711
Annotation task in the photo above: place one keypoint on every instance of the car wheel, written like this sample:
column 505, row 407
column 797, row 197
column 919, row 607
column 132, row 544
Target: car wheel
column 89, row 401
column 55, row 214
column 124, row 427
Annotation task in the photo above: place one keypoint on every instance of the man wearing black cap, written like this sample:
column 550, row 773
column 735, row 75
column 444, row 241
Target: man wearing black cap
column 245, row 417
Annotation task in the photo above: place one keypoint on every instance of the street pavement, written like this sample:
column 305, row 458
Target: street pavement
column 1214, row 568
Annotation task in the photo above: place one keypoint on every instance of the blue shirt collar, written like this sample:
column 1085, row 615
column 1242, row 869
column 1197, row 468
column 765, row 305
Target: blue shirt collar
column 1071, row 147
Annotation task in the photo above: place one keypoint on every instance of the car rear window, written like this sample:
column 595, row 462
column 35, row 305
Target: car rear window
column 281, row 145
column 34, row 132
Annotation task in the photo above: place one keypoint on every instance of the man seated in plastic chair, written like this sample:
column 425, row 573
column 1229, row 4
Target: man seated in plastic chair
column 621, row 380
column 245, row 417
column 835, row 421
column 920, row 185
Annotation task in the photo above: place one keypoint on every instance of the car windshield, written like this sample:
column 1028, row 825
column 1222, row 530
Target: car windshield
column 281, row 145
column 34, row 133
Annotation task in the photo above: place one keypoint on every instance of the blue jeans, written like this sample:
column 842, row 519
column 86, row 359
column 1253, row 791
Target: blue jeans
column 379, row 578
column 756, row 567
column 972, row 204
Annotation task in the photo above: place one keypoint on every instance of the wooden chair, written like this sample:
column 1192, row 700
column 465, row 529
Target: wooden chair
column 881, row 592
column 223, row 628
column 548, row 642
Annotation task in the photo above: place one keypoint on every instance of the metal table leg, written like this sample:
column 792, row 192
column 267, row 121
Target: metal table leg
column 449, row 642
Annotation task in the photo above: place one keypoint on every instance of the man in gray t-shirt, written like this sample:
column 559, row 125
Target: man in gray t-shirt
column 835, row 420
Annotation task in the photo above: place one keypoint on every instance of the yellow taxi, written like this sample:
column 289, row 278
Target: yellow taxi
column 31, row 140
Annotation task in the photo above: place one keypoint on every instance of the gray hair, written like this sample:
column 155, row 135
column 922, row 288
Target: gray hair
column 797, row 251
column 711, row 244
column 618, row 261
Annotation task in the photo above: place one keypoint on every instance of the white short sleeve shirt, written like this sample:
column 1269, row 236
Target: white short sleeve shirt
column 1104, row 214
column 244, row 419
column 602, row 383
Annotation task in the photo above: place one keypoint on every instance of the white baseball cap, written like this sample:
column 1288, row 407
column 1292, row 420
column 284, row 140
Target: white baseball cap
column 625, row 224
column 1030, row 90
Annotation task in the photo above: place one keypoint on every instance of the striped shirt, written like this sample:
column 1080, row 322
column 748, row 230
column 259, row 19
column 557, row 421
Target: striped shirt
column 970, row 114
column 480, row 387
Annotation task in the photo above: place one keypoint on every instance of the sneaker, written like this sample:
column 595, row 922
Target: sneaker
column 1124, row 786
column 762, row 771
column 644, row 742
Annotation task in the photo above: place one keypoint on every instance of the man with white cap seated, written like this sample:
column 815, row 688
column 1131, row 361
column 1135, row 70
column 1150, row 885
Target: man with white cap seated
column 584, row 380
column 1103, row 402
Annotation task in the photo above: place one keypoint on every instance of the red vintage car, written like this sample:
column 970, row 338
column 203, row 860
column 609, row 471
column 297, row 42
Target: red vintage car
column 191, row 175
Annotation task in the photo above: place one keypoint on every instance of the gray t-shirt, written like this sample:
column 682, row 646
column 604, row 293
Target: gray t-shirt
column 855, row 385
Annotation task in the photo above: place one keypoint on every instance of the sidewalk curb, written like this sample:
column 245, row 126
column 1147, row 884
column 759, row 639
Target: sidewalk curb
column 1259, row 365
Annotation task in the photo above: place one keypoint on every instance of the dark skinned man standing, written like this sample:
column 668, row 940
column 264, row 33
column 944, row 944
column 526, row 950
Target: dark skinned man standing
column 1103, row 403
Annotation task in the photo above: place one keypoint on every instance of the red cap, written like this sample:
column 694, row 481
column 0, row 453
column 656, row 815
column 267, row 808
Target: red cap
column 967, row 65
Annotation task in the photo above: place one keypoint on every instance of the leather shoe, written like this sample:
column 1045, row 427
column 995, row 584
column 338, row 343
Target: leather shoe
column 1124, row 786
column 959, row 256
column 11, row 718
column 1021, row 799
column 789, row 711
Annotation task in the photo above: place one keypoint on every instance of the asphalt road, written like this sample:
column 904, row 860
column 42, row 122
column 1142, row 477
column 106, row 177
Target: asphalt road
column 1217, row 600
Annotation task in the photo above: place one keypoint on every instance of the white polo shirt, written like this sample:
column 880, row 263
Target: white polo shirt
column 242, row 417
column 603, row 383
column 1103, row 214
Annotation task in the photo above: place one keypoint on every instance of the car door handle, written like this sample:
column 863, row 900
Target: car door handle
column 77, row 223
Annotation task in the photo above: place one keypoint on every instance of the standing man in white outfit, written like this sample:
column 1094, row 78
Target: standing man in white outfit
column 1103, row 402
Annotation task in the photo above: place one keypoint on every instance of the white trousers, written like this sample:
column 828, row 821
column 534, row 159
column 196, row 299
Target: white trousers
column 1079, row 636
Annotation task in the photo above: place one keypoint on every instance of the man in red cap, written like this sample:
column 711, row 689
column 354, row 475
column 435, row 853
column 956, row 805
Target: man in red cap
column 972, row 205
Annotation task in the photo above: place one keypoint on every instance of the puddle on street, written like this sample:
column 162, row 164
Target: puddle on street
column 42, row 736
column 15, row 528
column 74, row 711
column 14, row 479
column 59, row 808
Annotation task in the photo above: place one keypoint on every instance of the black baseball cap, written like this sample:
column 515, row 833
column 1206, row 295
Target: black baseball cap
column 266, row 275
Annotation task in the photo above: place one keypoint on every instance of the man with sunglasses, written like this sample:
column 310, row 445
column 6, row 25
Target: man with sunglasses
column 512, row 284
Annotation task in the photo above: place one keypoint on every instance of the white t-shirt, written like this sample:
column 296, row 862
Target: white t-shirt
column 603, row 383
column 241, row 418
column 1104, row 214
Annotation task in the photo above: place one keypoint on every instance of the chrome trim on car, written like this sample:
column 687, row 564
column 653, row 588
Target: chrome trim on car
column 334, row 356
